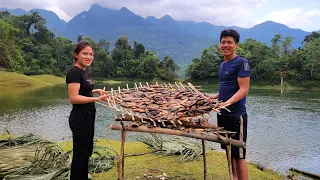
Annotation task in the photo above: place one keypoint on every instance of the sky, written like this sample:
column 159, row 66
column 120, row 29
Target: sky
column 300, row 14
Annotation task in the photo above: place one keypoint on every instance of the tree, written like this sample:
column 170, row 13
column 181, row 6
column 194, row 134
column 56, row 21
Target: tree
column 138, row 49
column 207, row 67
column 313, row 58
column 29, row 23
column 121, row 54
column 148, row 65
column 62, row 53
column 312, row 36
column 104, row 44
column 167, row 69
column 10, row 52
column 286, row 45
column 275, row 44
column 79, row 38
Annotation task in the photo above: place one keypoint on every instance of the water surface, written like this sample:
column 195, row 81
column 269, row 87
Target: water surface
column 283, row 130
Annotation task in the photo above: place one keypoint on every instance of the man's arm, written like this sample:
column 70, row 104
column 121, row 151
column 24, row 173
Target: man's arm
column 244, row 83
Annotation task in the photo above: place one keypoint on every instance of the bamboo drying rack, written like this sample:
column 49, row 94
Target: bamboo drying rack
column 138, row 120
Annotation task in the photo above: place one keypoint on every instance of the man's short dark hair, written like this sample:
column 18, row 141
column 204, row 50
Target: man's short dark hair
column 230, row 32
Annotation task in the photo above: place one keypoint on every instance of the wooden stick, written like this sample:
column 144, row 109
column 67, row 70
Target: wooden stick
column 123, row 139
column 208, row 137
column 228, row 148
column 182, row 85
column 119, row 89
column 196, row 90
column 204, row 160
column 136, row 86
column 183, row 123
column 177, row 85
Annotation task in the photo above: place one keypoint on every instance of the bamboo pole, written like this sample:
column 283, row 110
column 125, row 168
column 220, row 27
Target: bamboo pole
column 181, row 122
column 121, row 160
column 228, row 153
column 204, row 160
column 208, row 137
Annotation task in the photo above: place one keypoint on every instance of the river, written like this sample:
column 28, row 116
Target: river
column 283, row 130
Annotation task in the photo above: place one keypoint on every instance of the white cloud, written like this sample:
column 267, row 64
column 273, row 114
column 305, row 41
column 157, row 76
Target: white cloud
column 227, row 12
column 295, row 18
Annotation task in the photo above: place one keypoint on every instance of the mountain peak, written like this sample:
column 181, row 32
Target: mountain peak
column 167, row 18
column 271, row 24
column 151, row 19
column 125, row 10
column 99, row 10
column 95, row 7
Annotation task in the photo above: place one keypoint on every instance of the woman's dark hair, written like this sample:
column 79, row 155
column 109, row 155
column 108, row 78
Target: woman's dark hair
column 78, row 47
column 230, row 32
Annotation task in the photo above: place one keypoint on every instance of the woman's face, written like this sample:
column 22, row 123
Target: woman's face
column 84, row 58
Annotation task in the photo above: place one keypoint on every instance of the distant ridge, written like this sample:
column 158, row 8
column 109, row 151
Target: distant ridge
column 181, row 40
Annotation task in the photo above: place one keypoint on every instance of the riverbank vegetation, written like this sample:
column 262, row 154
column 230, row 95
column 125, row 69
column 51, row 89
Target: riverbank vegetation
column 299, row 67
column 28, row 47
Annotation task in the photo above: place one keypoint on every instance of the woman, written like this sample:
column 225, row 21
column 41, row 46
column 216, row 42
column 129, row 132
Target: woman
column 82, row 117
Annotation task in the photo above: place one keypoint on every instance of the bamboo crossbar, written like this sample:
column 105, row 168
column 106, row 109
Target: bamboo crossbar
column 183, row 123
column 207, row 137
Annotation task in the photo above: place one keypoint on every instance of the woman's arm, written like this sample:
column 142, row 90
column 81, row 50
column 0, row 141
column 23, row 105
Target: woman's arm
column 75, row 98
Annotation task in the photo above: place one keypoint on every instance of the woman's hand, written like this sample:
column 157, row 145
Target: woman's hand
column 100, row 91
column 104, row 97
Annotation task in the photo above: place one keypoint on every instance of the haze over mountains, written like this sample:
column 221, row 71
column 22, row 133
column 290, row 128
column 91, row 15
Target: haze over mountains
column 181, row 40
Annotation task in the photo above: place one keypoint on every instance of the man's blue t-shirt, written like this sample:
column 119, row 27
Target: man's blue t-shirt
column 228, row 77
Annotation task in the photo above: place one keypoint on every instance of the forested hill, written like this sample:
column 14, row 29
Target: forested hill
column 181, row 40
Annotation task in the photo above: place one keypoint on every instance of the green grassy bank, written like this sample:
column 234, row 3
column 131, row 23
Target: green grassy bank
column 152, row 164
column 139, row 160
column 13, row 83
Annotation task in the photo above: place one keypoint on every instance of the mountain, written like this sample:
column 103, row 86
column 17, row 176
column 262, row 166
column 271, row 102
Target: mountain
column 99, row 22
column 265, row 32
column 181, row 40
column 17, row 11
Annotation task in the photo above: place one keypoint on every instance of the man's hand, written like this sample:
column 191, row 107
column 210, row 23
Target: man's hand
column 213, row 98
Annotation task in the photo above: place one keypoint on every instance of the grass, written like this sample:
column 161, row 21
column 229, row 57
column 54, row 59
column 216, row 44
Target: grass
column 172, row 166
column 15, row 83
column 52, row 80
column 13, row 79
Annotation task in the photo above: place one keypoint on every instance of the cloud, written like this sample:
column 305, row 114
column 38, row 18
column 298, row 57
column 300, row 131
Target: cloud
column 227, row 12
column 295, row 18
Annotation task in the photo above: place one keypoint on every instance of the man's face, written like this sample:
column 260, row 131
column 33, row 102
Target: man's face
column 228, row 46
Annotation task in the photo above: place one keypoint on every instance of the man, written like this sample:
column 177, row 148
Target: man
column 234, row 77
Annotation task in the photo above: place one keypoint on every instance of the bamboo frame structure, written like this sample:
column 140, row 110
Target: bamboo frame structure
column 204, row 160
column 202, row 136
column 133, row 116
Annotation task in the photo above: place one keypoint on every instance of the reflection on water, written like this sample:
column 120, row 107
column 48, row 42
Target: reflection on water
column 283, row 130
